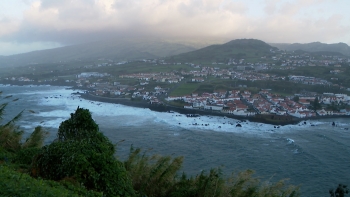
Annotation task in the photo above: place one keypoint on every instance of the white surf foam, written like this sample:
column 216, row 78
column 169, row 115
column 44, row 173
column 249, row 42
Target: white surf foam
column 65, row 103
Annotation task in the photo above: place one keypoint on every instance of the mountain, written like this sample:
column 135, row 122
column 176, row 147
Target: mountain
column 118, row 50
column 235, row 49
column 315, row 47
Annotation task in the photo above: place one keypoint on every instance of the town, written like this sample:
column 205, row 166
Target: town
column 183, row 84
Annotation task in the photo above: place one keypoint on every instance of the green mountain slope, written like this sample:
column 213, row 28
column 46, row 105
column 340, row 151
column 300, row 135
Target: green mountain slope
column 235, row 49
column 117, row 50
column 315, row 47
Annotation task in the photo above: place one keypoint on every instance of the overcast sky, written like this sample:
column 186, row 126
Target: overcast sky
column 28, row 25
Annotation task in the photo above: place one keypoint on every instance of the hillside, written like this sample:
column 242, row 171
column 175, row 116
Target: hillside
column 118, row 50
column 235, row 49
column 315, row 47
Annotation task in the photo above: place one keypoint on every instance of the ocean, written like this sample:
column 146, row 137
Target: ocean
column 313, row 154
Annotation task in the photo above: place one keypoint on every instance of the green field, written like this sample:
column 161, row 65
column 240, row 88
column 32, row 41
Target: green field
column 185, row 89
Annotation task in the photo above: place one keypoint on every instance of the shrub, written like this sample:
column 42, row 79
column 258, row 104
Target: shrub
column 22, row 185
column 90, row 164
column 25, row 156
column 79, row 126
column 152, row 176
column 10, row 138
column 157, row 176
column 201, row 186
column 36, row 139
column 85, row 155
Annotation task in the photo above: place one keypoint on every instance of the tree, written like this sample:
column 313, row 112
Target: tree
column 79, row 126
column 11, row 135
column 339, row 192
column 315, row 105
column 85, row 155
column 157, row 176
column 296, row 99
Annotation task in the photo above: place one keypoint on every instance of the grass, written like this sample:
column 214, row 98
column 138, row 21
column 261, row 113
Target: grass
column 185, row 89
column 140, row 67
column 205, row 88
column 19, row 184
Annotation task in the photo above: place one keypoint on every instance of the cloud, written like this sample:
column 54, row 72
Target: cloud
column 10, row 48
column 8, row 26
column 68, row 22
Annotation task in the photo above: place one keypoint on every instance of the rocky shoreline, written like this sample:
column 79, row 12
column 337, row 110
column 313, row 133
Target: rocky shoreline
column 266, row 119
column 35, row 83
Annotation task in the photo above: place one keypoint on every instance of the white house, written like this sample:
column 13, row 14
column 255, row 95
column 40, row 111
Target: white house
column 213, row 107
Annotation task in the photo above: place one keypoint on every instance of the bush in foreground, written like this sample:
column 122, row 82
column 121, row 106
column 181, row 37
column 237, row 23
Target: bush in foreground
column 85, row 156
column 157, row 176
column 20, row 184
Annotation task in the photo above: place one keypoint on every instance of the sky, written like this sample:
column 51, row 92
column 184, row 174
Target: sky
column 28, row 25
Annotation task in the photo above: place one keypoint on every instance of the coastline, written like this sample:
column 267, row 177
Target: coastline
column 26, row 83
column 266, row 119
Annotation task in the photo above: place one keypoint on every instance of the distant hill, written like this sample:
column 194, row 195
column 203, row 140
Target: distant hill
column 319, row 53
column 315, row 47
column 235, row 49
column 118, row 50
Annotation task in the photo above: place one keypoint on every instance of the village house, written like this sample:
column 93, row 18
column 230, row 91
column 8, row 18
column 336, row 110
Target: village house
column 213, row 107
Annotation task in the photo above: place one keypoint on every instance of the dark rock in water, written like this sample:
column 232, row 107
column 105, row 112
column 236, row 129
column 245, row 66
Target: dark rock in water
column 192, row 115
column 333, row 124
column 312, row 125
column 219, row 127
column 304, row 122
column 238, row 125
column 346, row 128
column 179, row 123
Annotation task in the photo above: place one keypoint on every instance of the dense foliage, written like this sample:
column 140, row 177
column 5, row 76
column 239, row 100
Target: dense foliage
column 158, row 176
column 19, row 184
column 84, row 155
column 16, row 156
column 79, row 126
column 340, row 191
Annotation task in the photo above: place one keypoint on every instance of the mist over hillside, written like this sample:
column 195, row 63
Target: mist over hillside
column 315, row 47
column 117, row 50
column 240, row 48
column 173, row 51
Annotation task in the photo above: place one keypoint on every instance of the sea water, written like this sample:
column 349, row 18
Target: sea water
column 313, row 154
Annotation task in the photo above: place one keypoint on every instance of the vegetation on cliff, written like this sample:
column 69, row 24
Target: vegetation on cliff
column 81, row 162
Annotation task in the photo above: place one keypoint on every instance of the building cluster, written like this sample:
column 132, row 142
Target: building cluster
column 25, row 79
column 168, row 77
column 225, row 102
column 92, row 74
column 244, row 103
column 308, row 80
column 294, row 59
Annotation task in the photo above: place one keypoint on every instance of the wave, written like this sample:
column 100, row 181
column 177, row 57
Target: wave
column 63, row 102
